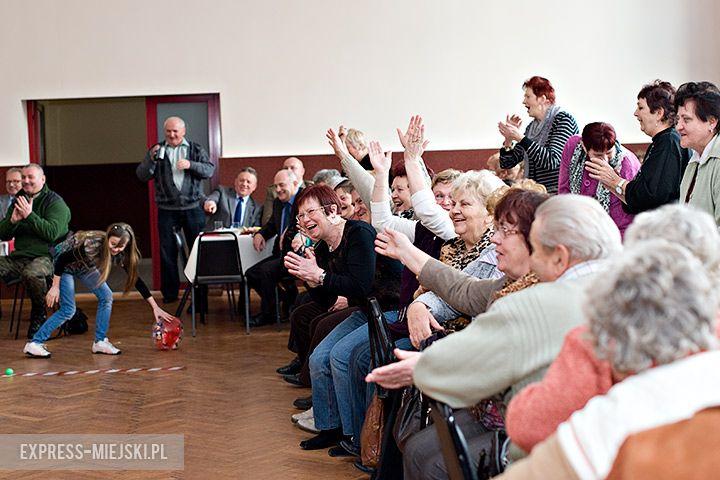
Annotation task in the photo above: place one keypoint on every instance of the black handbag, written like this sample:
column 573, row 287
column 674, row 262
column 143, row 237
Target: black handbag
column 76, row 325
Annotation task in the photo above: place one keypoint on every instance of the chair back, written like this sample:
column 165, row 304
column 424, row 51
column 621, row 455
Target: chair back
column 452, row 441
column 381, row 344
column 218, row 259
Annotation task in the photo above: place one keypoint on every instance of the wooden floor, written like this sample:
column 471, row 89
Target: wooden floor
column 229, row 403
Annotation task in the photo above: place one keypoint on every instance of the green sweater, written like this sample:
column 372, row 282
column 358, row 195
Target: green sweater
column 46, row 224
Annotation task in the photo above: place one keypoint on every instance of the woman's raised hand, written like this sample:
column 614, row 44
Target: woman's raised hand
column 381, row 162
column 337, row 144
column 413, row 140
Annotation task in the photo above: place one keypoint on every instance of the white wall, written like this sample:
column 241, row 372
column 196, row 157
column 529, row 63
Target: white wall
column 287, row 70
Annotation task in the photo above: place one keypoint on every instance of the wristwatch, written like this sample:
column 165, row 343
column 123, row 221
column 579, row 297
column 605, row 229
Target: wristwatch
column 619, row 186
column 322, row 278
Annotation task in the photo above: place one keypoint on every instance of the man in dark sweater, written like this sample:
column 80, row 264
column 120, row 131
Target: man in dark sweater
column 178, row 167
column 38, row 219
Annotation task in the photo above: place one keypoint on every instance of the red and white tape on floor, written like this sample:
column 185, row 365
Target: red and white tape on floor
column 95, row 372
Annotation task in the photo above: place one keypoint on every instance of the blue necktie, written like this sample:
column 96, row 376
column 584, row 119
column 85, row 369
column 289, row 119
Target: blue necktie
column 238, row 211
column 285, row 217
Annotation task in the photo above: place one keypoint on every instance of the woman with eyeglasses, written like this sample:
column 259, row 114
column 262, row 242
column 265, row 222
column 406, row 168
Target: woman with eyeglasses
column 338, row 271
column 89, row 256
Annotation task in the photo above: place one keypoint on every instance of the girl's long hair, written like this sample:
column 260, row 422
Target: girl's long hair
column 129, row 258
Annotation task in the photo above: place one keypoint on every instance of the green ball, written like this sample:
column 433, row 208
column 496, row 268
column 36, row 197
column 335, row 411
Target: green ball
column 9, row 371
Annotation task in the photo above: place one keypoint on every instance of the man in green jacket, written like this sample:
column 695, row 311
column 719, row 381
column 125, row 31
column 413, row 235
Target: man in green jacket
column 38, row 220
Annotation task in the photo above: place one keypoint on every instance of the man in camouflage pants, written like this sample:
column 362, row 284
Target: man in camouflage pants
column 38, row 220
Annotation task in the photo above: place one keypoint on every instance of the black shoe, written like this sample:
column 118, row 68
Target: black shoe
column 324, row 439
column 294, row 380
column 260, row 320
column 363, row 468
column 350, row 448
column 303, row 403
column 291, row 368
column 338, row 451
column 36, row 321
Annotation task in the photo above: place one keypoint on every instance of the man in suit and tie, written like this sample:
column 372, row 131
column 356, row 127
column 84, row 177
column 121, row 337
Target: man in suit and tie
column 282, row 223
column 235, row 205
column 13, row 184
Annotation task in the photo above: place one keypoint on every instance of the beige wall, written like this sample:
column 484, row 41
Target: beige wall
column 82, row 132
column 287, row 70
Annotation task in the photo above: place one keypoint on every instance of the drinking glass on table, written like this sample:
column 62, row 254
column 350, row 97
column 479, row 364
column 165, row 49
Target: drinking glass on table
column 218, row 224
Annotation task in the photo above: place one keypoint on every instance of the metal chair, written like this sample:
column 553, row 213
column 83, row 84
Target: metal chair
column 183, row 249
column 453, row 444
column 219, row 263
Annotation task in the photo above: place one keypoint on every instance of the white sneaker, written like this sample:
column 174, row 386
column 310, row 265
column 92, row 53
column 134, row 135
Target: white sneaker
column 303, row 415
column 37, row 350
column 104, row 346
column 307, row 424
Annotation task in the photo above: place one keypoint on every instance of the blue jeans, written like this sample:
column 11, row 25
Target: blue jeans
column 329, row 370
column 325, row 399
column 361, row 392
column 67, row 306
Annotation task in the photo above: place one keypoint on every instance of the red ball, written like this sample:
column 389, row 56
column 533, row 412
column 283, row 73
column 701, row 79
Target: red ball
column 167, row 334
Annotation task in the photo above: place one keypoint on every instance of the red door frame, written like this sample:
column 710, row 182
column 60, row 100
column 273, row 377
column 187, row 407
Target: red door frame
column 33, row 131
column 214, row 145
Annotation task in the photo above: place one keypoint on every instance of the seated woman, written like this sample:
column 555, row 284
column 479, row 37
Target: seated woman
column 598, row 142
column 338, row 271
column 542, row 143
column 89, row 256
column 660, row 339
column 577, row 374
column 658, row 181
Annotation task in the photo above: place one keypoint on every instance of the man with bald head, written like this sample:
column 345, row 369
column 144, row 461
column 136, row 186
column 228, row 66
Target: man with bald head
column 295, row 165
column 282, row 223
column 38, row 219
column 178, row 167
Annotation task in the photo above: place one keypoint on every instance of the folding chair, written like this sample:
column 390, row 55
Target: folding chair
column 381, row 344
column 218, row 263
column 183, row 249
column 454, row 447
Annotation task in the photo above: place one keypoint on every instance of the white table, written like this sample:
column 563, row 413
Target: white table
column 248, row 255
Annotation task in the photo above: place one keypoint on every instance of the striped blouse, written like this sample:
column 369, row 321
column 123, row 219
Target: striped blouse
column 544, row 159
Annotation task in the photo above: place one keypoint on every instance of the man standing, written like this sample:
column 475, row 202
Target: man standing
column 178, row 166
column 235, row 206
column 38, row 219
column 295, row 165
column 264, row 276
column 13, row 184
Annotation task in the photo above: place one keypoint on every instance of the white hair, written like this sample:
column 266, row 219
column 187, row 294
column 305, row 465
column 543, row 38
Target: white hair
column 685, row 225
column 580, row 224
column 655, row 305
column 478, row 184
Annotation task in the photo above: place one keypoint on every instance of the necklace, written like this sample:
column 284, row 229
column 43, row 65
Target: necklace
column 338, row 238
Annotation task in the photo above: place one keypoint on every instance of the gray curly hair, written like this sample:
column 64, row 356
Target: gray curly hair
column 656, row 305
column 684, row 225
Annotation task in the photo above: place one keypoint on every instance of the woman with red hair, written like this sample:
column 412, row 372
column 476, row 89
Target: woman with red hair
column 542, row 143
column 599, row 143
